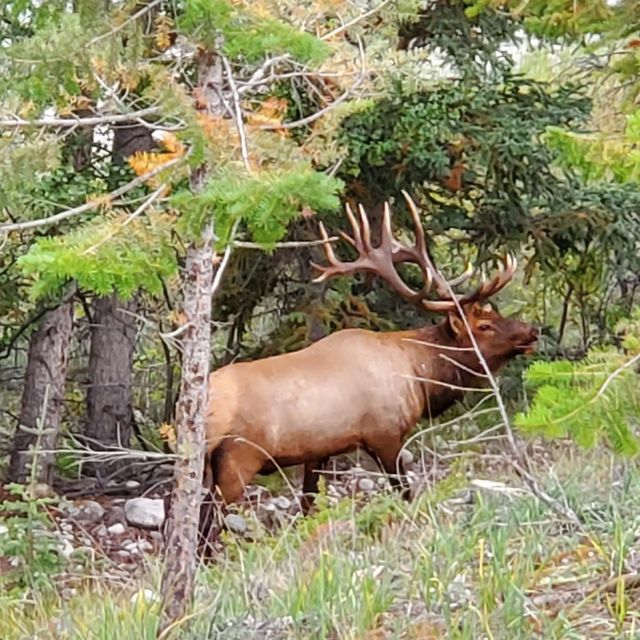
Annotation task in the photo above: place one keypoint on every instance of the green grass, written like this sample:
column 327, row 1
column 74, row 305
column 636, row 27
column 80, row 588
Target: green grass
column 500, row 567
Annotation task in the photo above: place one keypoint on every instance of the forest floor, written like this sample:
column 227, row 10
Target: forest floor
column 474, row 555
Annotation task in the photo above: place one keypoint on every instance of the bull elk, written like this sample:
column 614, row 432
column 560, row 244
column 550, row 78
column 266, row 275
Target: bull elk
column 358, row 388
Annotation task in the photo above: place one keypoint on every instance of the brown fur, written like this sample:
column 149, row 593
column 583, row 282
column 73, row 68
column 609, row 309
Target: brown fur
column 354, row 388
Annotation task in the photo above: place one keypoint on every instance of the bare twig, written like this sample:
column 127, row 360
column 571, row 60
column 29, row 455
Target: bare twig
column 350, row 23
column 519, row 464
column 289, row 244
column 90, row 206
column 217, row 278
column 340, row 99
column 143, row 207
column 260, row 74
column 238, row 117
column 17, row 123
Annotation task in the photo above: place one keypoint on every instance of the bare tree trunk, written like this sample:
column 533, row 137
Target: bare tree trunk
column 181, row 537
column 109, row 398
column 182, row 528
column 43, row 395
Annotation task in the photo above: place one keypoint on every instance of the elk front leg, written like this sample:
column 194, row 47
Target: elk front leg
column 310, row 483
column 386, row 454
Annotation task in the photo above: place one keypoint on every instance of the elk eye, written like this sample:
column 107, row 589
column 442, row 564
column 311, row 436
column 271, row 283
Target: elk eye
column 484, row 327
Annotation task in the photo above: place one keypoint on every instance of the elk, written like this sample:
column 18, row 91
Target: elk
column 358, row 388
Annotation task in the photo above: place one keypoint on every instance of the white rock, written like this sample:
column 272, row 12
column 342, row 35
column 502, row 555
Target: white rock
column 3, row 529
column 282, row 502
column 144, row 512
column 146, row 595
column 131, row 484
column 366, row 484
column 131, row 546
column 101, row 531
column 144, row 545
column 65, row 548
column 236, row 523
column 116, row 529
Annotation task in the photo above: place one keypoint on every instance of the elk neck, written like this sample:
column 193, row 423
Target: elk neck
column 443, row 372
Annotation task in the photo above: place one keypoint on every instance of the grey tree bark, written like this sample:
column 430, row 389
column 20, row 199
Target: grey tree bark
column 109, row 396
column 43, row 396
column 181, row 533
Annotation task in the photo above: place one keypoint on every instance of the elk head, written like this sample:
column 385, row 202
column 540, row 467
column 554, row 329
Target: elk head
column 469, row 317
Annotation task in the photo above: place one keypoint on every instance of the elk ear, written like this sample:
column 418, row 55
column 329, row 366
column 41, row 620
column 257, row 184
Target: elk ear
column 456, row 324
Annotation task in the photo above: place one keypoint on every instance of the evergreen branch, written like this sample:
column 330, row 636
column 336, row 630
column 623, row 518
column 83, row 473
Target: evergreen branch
column 17, row 123
column 89, row 206
column 602, row 389
column 132, row 18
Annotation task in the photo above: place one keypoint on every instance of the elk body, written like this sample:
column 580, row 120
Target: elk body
column 358, row 388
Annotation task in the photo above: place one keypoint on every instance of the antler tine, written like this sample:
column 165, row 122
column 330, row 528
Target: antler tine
column 443, row 286
column 498, row 282
column 357, row 235
column 382, row 260
column 327, row 272
column 366, row 227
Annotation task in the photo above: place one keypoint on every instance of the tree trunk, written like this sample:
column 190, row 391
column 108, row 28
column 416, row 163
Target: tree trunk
column 182, row 527
column 181, row 533
column 109, row 397
column 43, row 396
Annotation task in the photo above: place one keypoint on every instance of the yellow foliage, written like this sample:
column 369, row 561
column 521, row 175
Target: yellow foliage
column 271, row 112
column 168, row 433
column 144, row 162
column 128, row 77
column 164, row 29
column 102, row 202
column 177, row 318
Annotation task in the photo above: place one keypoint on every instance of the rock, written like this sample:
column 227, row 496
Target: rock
column 3, row 529
column 131, row 546
column 157, row 537
column 65, row 548
column 146, row 595
column 144, row 512
column 366, row 484
column 88, row 511
column 114, row 515
column 101, row 531
column 236, row 523
column 43, row 490
column 144, row 545
column 282, row 502
column 407, row 458
column 131, row 484
column 116, row 529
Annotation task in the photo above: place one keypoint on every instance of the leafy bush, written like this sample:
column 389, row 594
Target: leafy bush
column 590, row 400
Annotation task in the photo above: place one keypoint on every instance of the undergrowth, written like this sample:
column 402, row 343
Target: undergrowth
column 457, row 562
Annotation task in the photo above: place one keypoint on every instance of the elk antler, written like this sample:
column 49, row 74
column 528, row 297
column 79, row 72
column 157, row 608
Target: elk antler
column 382, row 259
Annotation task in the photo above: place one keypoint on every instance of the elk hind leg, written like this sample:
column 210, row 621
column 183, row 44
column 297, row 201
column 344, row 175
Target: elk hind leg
column 232, row 466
